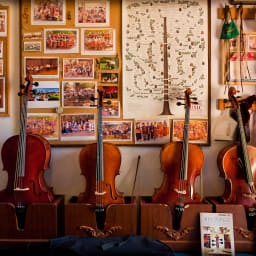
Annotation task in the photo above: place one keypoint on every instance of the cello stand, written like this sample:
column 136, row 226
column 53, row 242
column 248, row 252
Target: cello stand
column 157, row 222
column 245, row 239
column 80, row 219
column 40, row 221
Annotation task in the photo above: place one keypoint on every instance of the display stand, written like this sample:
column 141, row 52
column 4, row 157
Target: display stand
column 157, row 223
column 245, row 240
column 80, row 219
column 43, row 221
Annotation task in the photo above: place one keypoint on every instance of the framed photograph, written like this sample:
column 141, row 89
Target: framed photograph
column 3, row 23
column 61, row 41
column 198, row 131
column 78, row 94
column 152, row 131
column 33, row 36
column 98, row 41
column 75, row 68
column 42, row 67
column 117, row 131
column 78, row 127
column 110, row 92
column 92, row 13
column 109, row 78
column 32, row 46
column 109, row 63
column 48, row 12
column 45, row 125
column 1, row 67
column 2, row 94
column 111, row 109
column 1, row 48
column 45, row 95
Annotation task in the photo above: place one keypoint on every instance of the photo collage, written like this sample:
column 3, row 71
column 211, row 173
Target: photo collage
column 71, row 58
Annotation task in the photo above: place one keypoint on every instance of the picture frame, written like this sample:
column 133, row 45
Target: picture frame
column 43, row 124
column 117, row 131
column 109, row 78
column 45, row 95
column 42, row 67
column 98, row 41
column 144, row 77
column 1, row 48
column 48, row 12
column 61, row 41
column 110, row 92
column 198, row 131
column 78, row 68
column 92, row 13
column 1, row 67
column 32, row 35
column 79, row 94
column 3, row 23
column 34, row 46
column 109, row 63
column 78, row 126
column 152, row 131
column 111, row 109
column 2, row 95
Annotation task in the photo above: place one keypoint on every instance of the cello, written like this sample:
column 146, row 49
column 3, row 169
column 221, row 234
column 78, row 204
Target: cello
column 182, row 163
column 25, row 158
column 237, row 164
column 100, row 163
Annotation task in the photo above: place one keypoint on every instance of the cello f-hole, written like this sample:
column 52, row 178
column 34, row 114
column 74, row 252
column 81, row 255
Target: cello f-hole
column 111, row 192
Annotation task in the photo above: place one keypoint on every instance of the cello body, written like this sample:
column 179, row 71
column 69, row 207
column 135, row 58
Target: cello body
column 237, row 164
column 171, row 165
column 25, row 158
column 111, row 162
column 37, row 158
column 236, row 188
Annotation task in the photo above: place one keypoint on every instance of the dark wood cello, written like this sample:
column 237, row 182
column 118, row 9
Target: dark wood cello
column 237, row 164
column 182, row 163
column 25, row 158
column 100, row 163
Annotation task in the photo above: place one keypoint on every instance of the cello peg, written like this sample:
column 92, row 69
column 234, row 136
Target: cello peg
column 22, row 86
column 196, row 103
column 178, row 98
column 36, row 84
column 20, row 94
column 179, row 104
column 193, row 98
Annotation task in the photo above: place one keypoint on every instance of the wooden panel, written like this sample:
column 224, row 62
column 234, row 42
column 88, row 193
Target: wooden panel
column 248, row 13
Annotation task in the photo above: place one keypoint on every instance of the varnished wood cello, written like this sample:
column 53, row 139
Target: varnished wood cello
column 182, row 163
column 25, row 158
column 237, row 164
column 100, row 163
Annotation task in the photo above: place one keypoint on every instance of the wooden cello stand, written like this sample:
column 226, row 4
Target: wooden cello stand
column 80, row 219
column 157, row 223
column 245, row 240
column 43, row 221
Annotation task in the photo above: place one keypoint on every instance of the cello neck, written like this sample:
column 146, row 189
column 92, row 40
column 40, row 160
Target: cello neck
column 20, row 163
column 100, row 166
column 247, row 164
column 21, row 153
column 184, row 154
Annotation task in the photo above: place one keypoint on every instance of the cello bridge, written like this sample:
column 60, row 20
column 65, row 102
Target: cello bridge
column 249, row 195
column 183, row 192
column 100, row 193
column 21, row 189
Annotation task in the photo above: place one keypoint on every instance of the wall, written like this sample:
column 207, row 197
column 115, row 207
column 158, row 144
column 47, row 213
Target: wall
column 64, row 172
